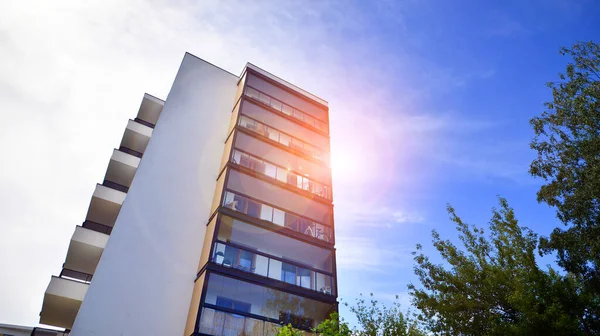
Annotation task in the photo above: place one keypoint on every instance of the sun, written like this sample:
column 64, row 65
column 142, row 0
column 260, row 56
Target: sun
column 346, row 164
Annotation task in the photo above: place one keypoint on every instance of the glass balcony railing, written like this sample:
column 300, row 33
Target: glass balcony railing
column 274, row 268
column 281, row 174
column 286, row 109
column 217, row 322
column 282, row 138
column 277, row 216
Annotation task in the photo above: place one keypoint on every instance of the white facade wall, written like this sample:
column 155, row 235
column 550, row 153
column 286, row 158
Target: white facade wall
column 144, row 281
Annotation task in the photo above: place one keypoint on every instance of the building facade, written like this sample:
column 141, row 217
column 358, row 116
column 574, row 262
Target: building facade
column 214, row 219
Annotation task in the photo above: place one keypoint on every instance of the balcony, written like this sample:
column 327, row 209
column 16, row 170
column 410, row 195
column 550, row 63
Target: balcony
column 37, row 331
column 285, row 109
column 136, row 136
column 217, row 322
column 121, row 169
column 282, row 138
column 105, row 205
column 85, row 250
column 281, row 174
column 271, row 267
column 130, row 151
column 150, row 109
column 62, row 300
column 277, row 216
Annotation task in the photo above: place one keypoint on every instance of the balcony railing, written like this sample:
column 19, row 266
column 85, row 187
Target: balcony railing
column 115, row 186
column 280, row 174
column 97, row 227
column 144, row 122
column 270, row 267
column 130, row 151
column 286, row 109
column 282, row 138
column 217, row 322
column 277, row 216
column 75, row 275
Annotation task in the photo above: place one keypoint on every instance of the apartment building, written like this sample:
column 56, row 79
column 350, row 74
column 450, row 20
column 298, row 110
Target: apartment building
column 215, row 216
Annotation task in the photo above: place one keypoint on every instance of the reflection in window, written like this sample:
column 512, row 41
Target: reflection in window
column 262, row 301
column 218, row 323
column 252, row 262
column 233, row 304
column 286, row 109
column 250, row 207
column 288, row 274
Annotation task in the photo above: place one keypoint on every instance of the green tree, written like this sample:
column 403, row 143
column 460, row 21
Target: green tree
column 288, row 330
column 492, row 285
column 567, row 141
column 376, row 319
column 333, row 327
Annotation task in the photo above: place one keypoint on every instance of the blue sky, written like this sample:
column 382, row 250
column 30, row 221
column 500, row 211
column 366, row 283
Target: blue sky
column 429, row 104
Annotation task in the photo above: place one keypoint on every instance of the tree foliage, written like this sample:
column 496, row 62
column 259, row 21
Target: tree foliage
column 377, row 319
column 374, row 319
column 288, row 330
column 492, row 285
column 567, row 141
column 333, row 327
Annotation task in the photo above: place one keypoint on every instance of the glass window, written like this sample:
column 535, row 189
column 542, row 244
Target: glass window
column 287, row 109
column 324, row 283
column 266, row 213
column 251, row 92
column 274, row 135
column 307, row 227
column 309, row 120
column 253, row 209
column 270, row 170
column 278, row 217
column 261, row 265
column 261, row 300
column 291, row 222
column 307, row 184
column 237, row 157
column 323, row 232
column 298, row 115
column 282, row 175
column 275, row 269
column 230, row 257
column 239, row 203
column 304, row 277
column 248, row 123
column 276, row 104
column 245, row 261
column 214, row 322
column 264, row 98
column 274, row 244
column 228, row 200
column 284, row 139
column 211, row 322
column 292, row 179
column 233, row 304
column 288, row 274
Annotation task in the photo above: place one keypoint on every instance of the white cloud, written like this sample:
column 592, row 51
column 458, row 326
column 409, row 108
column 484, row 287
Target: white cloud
column 365, row 254
column 403, row 217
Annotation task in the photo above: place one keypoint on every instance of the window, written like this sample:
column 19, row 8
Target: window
column 259, row 300
column 233, row 304
column 304, row 277
column 253, row 209
column 239, row 203
column 288, row 273
column 246, row 259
